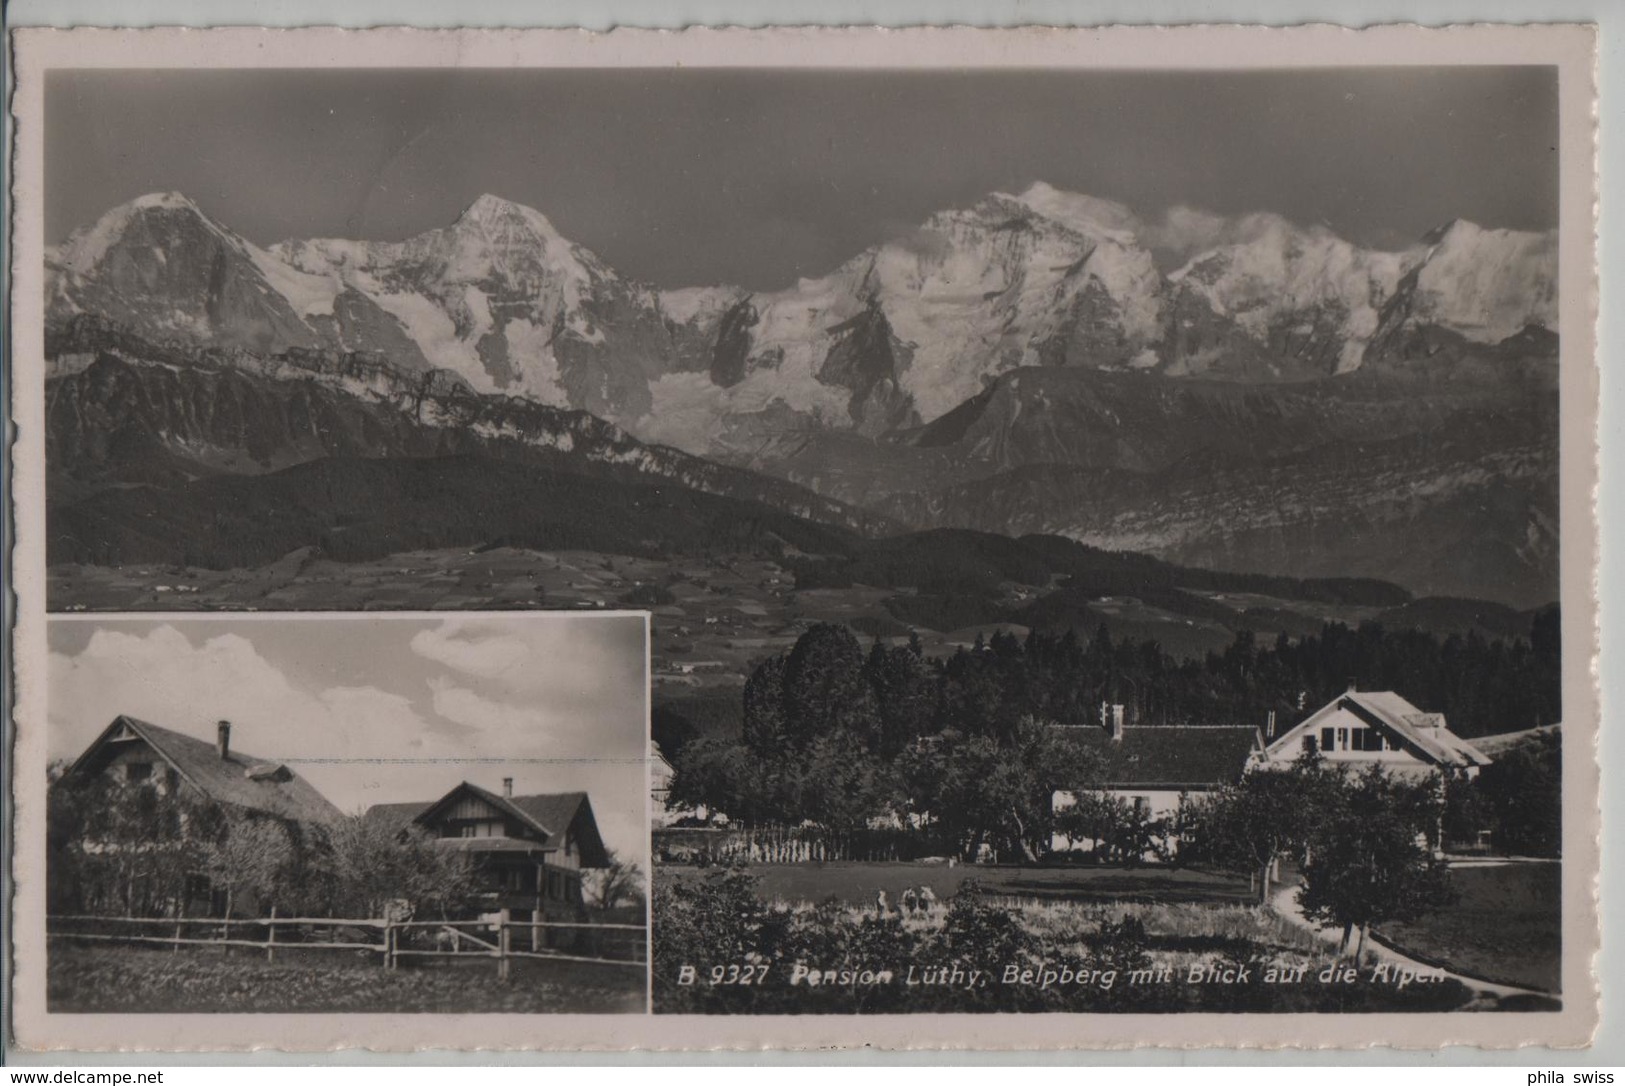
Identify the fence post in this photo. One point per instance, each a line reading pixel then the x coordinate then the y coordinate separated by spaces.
pixel 504 933
pixel 389 944
pixel 270 937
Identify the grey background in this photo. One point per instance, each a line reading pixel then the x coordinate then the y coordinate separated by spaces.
pixel 603 14
pixel 758 177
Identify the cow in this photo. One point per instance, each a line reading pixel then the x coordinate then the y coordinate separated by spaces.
pixel 927 899
pixel 909 902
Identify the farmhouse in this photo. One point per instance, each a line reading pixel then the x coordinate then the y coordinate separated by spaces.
pixel 1157 767
pixel 529 851
pixel 1361 728
pixel 131 751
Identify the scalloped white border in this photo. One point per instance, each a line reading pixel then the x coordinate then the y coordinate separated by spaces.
pixel 1571 48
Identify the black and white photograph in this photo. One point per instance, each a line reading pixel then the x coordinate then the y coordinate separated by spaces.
pixel 405 814
pixel 1114 530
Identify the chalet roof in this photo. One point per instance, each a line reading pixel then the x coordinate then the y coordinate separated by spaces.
pixel 238 779
pixel 1424 733
pixel 551 814
pixel 558 811
pixel 1175 756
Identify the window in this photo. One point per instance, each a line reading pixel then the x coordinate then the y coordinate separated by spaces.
pixel 467 830
pixel 1310 745
pixel 1328 739
pixel 1342 739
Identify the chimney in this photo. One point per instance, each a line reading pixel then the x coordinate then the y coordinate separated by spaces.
pixel 1117 723
pixel 507 787
pixel 222 739
pixel 1353 686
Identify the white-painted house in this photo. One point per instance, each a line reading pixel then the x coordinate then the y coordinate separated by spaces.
pixel 1361 727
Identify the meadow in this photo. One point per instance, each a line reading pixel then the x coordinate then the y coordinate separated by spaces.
pixel 135 980
pixel 1507 926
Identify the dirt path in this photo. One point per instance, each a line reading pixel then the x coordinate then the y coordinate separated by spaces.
pixel 1285 902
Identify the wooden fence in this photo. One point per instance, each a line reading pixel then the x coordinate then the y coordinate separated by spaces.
pixel 395 940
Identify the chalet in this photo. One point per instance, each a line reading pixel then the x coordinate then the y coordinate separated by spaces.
pixel 1361 728
pixel 131 751
pixel 529 851
pixel 1156 768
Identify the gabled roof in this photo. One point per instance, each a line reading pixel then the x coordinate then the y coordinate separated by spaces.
pixel 564 810
pixel 500 803
pixel 1171 757
pixel 234 780
pixel 552 815
pixel 1423 734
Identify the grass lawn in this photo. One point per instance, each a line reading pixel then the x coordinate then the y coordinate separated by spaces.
pixel 133 979
pixel 1507 927
pixel 857 883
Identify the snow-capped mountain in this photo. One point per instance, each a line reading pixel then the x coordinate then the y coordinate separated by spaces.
pixel 501 298
pixel 898 335
pixel 1022 364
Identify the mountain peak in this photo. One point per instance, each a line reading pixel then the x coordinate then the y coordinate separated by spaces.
pixel 489 209
pixel 1444 230
pixel 87 245
pixel 173 201
pixel 1086 214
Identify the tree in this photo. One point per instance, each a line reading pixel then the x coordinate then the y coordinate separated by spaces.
pixel 376 861
pixel 726 777
pixel 246 857
pixel 825 691
pixel 621 883
pixel 1000 793
pixel 1368 859
pixel 1523 789
pixel 1266 817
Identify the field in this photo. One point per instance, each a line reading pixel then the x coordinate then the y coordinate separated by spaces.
pixel 1507 927
pixel 726 612
pixel 857 883
pixel 137 980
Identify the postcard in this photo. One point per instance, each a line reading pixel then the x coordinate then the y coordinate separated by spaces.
pixel 1028 538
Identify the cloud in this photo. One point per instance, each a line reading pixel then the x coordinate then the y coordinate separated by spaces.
pixel 162 677
pixel 584 655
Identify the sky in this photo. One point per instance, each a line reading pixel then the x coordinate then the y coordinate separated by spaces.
pixel 753 177
pixel 382 709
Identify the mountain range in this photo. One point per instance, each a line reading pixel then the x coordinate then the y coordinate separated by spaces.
pixel 1280 400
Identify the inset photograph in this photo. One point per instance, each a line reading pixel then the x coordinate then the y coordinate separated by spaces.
pixel 366 813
